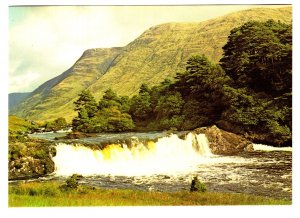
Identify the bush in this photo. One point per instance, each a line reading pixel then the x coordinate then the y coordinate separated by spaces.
pixel 32 192
pixel 197 186
pixel 39 154
pixel 56 125
pixel 16 151
pixel 50 191
pixel 71 183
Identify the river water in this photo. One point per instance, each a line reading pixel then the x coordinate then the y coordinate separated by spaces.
pixel 158 161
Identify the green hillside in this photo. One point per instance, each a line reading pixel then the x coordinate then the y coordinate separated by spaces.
pixel 54 98
pixel 163 50
pixel 158 53
pixel 18 125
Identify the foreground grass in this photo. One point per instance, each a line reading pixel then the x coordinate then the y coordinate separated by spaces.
pixel 48 194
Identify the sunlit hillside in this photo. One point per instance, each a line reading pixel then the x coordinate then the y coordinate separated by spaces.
pixel 158 53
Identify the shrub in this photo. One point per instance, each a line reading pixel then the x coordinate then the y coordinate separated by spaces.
pixel 39 154
pixel 71 183
pixel 56 125
pixel 197 186
pixel 32 192
pixel 17 150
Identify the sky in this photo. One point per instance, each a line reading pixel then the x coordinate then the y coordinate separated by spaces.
pixel 45 41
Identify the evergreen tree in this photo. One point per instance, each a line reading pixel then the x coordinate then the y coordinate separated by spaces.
pixel 109 99
pixel 258 55
pixel 141 104
pixel 168 111
pixel 87 102
pixel 86 106
pixel 112 114
pixel 258 58
pixel 169 105
pixel 201 85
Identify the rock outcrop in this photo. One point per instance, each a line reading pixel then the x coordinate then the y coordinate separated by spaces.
pixel 224 143
pixel 30 158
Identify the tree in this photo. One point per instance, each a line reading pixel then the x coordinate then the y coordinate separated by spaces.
pixel 258 58
pixel 144 89
pixel 86 106
pixel 87 101
pixel 109 99
pixel 111 115
pixel 201 77
pixel 194 114
pixel 247 111
pixel 258 55
pixel 169 105
pixel 111 119
pixel 201 86
pixel 169 111
pixel 140 108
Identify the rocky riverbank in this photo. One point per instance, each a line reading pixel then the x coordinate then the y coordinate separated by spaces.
pixel 224 143
pixel 29 158
pixel 32 157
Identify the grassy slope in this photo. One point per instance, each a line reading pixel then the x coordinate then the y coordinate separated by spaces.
pixel 163 50
pixel 16 124
pixel 48 194
pixel 157 54
pixel 49 102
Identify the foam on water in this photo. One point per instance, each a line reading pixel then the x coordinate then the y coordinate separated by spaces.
pixel 169 155
pixel 261 147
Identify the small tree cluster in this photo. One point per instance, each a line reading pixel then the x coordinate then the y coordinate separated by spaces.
pixel 109 115
pixel 56 125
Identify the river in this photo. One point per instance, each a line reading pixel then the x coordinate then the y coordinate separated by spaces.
pixel 157 161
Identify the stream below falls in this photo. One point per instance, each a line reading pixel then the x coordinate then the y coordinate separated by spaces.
pixel 169 163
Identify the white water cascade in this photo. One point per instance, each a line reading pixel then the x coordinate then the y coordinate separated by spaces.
pixel 261 147
pixel 169 155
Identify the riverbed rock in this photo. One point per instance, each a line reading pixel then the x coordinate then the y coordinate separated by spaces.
pixel 224 143
pixel 76 135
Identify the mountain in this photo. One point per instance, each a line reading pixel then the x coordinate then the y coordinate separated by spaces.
pixel 16 98
pixel 54 98
pixel 159 53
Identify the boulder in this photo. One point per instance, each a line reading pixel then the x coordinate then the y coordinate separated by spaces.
pixel 224 143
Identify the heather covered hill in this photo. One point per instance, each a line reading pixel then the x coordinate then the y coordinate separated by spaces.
pixel 159 53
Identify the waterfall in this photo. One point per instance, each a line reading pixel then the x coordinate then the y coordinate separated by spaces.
pixel 167 155
pixel 203 145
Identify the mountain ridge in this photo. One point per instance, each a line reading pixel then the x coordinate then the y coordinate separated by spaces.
pixel 158 53
pixel 16 98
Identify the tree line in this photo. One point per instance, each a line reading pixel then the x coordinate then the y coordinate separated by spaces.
pixel 249 92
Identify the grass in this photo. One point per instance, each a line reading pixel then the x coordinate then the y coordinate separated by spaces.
pixel 48 194
pixel 16 124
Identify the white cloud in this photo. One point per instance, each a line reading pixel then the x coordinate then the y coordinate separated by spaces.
pixel 24 81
